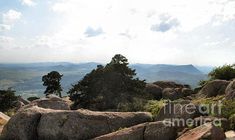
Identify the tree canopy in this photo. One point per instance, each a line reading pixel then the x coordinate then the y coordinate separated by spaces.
pixel 7 99
pixel 107 86
pixel 225 72
pixel 52 82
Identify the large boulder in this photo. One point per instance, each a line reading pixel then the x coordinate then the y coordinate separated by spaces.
pixel 178 112
pixel 221 122
pixel 3 118
pixel 230 135
pixel 230 90
pixel 47 124
pixel 147 131
pixel 214 88
pixel 132 133
pixel 50 102
pixel 3 121
pixel 206 131
pixel 154 90
pixel 23 125
pixel 171 93
pixel 160 130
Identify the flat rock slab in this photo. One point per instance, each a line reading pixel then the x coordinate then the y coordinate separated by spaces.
pixel 47 124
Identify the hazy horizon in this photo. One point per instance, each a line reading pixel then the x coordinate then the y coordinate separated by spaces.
pixel 179 32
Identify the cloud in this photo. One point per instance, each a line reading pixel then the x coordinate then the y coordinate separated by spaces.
pixel 92 32
pixel 4 27
pixel 11 17
pixel 166 23
pixel 28 2
pixel 6 41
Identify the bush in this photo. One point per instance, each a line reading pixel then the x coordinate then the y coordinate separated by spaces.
pixel 137 105
pixel 226 72
pixel 154 106
pixel 7 99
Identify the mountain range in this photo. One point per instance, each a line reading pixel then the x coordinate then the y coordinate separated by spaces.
pixel 26 78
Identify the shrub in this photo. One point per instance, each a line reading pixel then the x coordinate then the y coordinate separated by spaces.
pixel 225 72
pixel 154 106
pixel 7 99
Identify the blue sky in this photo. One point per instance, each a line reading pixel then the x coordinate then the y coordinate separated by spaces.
pixel 200 32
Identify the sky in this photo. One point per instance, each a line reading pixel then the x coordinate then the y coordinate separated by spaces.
pixel 199 32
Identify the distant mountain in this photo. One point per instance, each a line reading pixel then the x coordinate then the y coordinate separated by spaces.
pixel 185 74
pixel 26 78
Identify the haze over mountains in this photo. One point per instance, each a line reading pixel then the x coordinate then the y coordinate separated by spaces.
pixel 26 78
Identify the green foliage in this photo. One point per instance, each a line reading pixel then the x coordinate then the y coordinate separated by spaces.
pixel 7 99
pixel 52 82
pixel 107 86
pixel 226 72
pixel 136 105
pixel 154 106
pixel 32 98
pixel 228 108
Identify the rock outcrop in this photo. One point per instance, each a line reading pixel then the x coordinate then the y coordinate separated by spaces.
pixel 220 122
pixel 47 124
pixel 180 110
pixel 214 88
pixel 51 102
pixel 230 91
pixel 206 131
pixel 3 120
pixel 230 135
pixel 154 90
pixel 147 131
pixel 171 93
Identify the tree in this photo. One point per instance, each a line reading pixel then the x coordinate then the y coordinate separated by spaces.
pixel 7 99
pixel 226 72
pixel 52 82
pixel 107 86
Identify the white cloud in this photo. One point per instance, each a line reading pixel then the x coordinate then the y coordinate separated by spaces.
pixel 28 2
pixel 11 17
pixel 193 30
pixel 4 27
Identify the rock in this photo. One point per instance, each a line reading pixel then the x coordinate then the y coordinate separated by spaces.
pixel 51 102
pixel 160 131
pixel 132 133
pixel 178 112
pixel 20 99
pixel 171 93
pixel 147 131
pixel 3 118
pixel 230 91
pixel 186 92
pixel 154 90
pixel 221 122
pixel 206 131
pixel 214 88
pixel 23 125
pixel 168 84
pixel 47 124
pixel 230 135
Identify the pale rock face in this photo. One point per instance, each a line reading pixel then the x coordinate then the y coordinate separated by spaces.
pixel 230 90
pixel 47 124
pixel 51 102
pixel 214 88
pixel 206 131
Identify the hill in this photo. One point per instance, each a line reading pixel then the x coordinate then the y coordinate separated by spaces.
pixel 26 78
